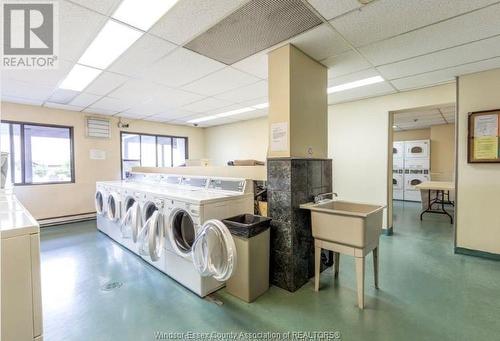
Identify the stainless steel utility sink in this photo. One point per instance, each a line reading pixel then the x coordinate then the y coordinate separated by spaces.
pixel 344 222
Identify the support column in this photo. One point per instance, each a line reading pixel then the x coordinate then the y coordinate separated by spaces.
pixel 298 168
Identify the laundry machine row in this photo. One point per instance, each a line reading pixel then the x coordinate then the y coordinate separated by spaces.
pixel 173 223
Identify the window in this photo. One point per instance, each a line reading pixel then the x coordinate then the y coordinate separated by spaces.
pixel 152 151
pixel 39 154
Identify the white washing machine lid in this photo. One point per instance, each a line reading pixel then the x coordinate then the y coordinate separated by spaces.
pixel 214 251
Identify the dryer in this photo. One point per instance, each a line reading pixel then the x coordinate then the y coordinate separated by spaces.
pixel 417 149
pixel 410 181
pixel 397 186
pixel 101 203
pixel 398 150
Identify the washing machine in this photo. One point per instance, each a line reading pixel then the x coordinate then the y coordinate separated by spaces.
pixel 417 149
pixel 397 186
pixel 410 181
pixel 101 202
pixel 194 231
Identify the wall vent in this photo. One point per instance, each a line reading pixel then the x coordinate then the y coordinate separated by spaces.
pixel 98 128
pixel 254 27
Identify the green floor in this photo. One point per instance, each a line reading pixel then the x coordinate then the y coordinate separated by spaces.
pixel 426 292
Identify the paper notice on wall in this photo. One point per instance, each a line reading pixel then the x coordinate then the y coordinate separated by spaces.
pixel 486 125
pixel 96 154
pixel 486 148
pixel 279 137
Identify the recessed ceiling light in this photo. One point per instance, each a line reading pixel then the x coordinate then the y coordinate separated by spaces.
pixel 355 84
pixel 110 43
pixel 142 14
pixel 79 77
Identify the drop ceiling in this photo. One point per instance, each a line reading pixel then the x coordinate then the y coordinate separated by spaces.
pixel 424 118
pixel 411 44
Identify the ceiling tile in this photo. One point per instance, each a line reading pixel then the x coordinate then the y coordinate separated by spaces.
pixel 188 18
pixel 137 90
pixel 62 96
pixel 164 101
pixel 345 63
pixel 63 106
pixel 102 6
pixel 111 104
pixel 331 9
pixel 384 19
pixel 106 83
pixel 443 59
pixel 253 102
pixel 100 111
pixel 19 89
pixel 373 90
pixel 220 81
pixel 474 26
pixel 320 42
pixel 246 93
pixel 21 100
pixel 444 76
pixel 255 65
pixel 84 100
pixel 356 76
pixel 78 26
pixel 181 67
pixel 249 115
pixel 147 50
pixel 207 104
pixel 50 77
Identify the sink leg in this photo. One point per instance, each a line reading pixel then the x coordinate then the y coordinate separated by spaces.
pixel 317 267
pixel 360 281
pixel 375 265
pixel 337 264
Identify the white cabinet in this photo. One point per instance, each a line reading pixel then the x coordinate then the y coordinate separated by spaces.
pixel 21 301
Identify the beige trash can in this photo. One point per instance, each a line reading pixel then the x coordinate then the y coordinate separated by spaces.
pixel 251 237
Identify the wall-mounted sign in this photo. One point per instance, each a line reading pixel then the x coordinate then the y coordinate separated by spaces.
pixel 483 139
pixel 96 154
pixel 279 137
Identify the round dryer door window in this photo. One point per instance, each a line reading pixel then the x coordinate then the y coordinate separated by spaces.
pixel 214 251
pixel 99 202
pixel 113 207
pixel 181 231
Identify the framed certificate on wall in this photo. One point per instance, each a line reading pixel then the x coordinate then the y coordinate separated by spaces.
pixel 483 137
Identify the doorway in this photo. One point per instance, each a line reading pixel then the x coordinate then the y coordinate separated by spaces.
pixel 421 170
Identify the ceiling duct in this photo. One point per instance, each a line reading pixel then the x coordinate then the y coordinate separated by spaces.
pixel 254 27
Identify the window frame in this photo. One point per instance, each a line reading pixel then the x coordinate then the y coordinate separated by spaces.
pixel 156 136
pixel 23 153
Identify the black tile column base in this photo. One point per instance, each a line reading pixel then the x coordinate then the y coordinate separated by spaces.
pixel 292 182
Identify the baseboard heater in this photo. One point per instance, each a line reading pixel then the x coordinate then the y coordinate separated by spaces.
pixel 66 219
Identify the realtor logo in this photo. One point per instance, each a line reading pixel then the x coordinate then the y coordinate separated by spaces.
pixel 29 35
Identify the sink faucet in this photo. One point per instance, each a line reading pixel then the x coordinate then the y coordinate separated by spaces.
pixel 322 197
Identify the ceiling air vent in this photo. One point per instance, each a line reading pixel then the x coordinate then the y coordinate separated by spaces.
pixel 98 128
pixel 254 27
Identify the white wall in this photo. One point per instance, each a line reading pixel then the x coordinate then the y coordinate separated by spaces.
pixel 48 201
pixel 359 141
pixel 478 195
pixel 240 140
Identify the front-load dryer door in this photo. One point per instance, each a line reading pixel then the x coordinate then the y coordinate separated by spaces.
pixel 100 203
pixel 156 236
pixel 181 231
pixel 150 213
pixel 114 208
pixel 214 251
pixel 131 221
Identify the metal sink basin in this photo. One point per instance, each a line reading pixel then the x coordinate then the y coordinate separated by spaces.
pixel 344 222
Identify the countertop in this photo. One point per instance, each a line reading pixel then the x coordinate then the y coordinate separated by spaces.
pixel 15 219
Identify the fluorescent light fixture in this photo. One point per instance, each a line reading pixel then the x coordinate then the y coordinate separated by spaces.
pixel 79 77
pixel 355 84
pixel 142 14
pixel 261 106
pixel 114 39
pixel 223 114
